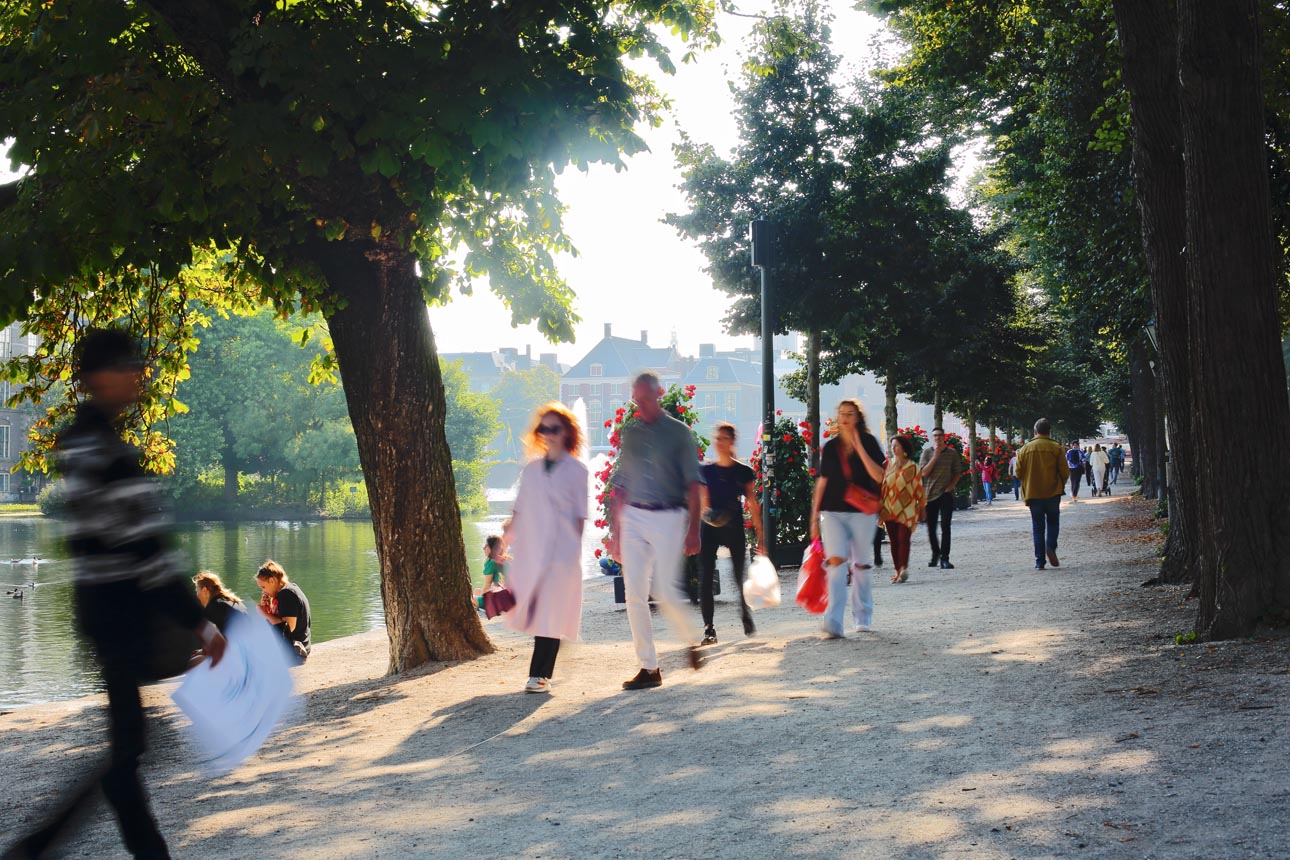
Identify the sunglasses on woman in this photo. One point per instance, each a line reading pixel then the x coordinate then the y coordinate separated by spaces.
pixel 549 429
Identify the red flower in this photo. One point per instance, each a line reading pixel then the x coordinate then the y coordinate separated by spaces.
pixel 779 411
pixel 826 434
pixel 811 472
pixel 598 553
pixel 636 415
pixel 788 438
pixel 681 409
pixel 609 422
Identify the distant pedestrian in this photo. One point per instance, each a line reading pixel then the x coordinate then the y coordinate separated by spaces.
pixel 1085 455
pixel 1099 463
pixel 125 580
pixel 728 485
pixel 655 515
pixel 844 513
pixel 284 605
pixel 904 502
pixel 1116 456
pixel 1075 464
pixel 989 474
pixel 1016 482
pixel 546 525
pixel 1043 471
pixel 941 468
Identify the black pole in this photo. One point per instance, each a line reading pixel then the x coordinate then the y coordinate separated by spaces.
pixel 760 232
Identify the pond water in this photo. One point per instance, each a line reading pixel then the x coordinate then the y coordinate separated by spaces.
pixel 43 659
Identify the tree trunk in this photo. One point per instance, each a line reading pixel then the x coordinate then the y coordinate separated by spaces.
pixel 395 394
pixel 1148 42
pixel 971 454
pixel 938 411
pixel 1244 547
pixel 1144 419
pixel 994 435
pixel 890 415
pixel 813 396
pixel 1162 441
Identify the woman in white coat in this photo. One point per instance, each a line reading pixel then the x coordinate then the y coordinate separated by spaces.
pixel 545 573
pixel 1100 462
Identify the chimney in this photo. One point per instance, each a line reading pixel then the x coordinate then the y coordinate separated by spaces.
pixel 707 350
pixel 644 337
pixel 609 330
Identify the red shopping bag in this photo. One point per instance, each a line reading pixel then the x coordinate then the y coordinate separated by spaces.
pixel 812 580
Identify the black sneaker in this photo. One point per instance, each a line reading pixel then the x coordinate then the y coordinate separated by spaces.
pixel 1039 565
pixel 934 562
pixel 709 636
pixel 644 680
pixel 945 564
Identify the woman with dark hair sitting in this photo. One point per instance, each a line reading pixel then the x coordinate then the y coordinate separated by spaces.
pixel 285 606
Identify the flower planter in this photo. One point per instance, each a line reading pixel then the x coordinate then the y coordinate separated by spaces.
pixel 788 554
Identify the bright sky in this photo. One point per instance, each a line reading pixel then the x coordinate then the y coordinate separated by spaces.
pixel 632 270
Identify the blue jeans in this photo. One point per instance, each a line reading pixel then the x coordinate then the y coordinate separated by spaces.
pixel 1045 523
pixel 1016 488
pixel 848 536
pixel 989 490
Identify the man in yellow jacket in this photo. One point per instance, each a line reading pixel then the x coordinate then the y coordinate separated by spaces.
pixel 1041 466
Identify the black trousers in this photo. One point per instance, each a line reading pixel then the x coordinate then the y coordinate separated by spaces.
pixel 940 509
pixel 712 538
pixel 110 617
pixel 545 650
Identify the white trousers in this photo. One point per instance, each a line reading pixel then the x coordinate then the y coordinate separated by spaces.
pixel 653 547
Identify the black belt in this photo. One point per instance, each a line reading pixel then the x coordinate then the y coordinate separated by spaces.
pixel 659 507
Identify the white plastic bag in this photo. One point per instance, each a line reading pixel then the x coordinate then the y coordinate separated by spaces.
pixel 761 588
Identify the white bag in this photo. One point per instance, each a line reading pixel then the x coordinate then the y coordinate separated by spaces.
pixel 761 587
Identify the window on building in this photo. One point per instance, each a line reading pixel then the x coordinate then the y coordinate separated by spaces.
pixel 732 403
pixel 713 372
pixel 4 442
pixel 597 370
pixel 4 481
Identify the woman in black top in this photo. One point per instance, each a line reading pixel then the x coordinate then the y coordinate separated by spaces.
pixel 727 484
pixel 218 603
pixel 844 513
pixel 285 606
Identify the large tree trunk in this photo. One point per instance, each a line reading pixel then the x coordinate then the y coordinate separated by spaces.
pixel 1147 35
pixel 971 454
pixel 938 410
pixel 1143 407
pixel 890 415
pixel 1243 545
pixel 395 394
pixel 813 396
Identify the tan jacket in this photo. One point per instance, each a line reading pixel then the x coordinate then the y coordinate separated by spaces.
pixel 1041 466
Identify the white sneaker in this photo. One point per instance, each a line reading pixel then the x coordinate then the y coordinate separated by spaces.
pixel 829 633
pixel 538 685
pixel 864 628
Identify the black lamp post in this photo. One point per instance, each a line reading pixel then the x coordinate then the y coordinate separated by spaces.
pixel 760 234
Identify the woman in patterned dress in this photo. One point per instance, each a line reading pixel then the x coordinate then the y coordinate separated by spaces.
pixel 903 503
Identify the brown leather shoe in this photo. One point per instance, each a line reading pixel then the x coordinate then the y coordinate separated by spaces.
pixel 1052 558
pixel 644 680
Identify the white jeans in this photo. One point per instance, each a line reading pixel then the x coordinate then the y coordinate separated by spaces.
pixel 653 547
pixel 848 536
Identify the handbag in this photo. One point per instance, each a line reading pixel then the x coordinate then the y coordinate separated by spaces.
pixel 812 581
pixel 856 496
pixel 498 601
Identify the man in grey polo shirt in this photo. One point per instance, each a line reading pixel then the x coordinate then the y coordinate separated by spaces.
pixel 654 523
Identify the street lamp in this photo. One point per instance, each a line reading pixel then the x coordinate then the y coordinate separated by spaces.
pixel 760 235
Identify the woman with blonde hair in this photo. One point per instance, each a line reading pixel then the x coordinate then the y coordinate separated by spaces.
pixel 545 532
pixel 216 599
pixel 285 606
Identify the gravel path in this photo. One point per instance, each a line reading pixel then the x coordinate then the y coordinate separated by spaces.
pixel 996 712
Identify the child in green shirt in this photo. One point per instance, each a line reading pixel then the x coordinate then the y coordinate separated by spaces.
pixel 494 566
